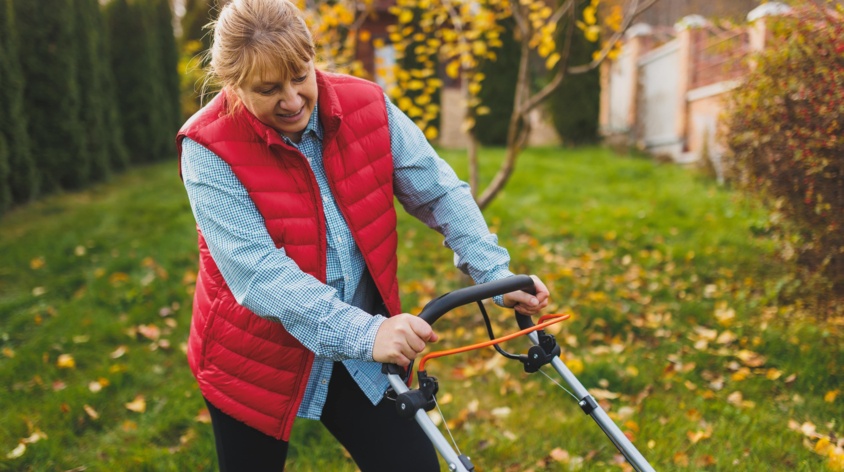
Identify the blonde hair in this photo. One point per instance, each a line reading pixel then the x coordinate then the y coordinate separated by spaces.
pixel 258 38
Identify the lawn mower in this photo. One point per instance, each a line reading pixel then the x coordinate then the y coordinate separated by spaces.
pixel 414 403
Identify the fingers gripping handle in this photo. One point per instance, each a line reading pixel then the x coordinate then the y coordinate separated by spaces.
pixel 525 321
pixel 438 307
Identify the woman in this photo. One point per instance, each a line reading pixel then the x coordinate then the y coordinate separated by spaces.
pixel 291 175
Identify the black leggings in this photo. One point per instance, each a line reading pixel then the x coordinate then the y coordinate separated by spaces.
pixel 375 436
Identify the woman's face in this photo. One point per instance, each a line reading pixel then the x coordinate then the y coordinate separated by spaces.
pixel 285 106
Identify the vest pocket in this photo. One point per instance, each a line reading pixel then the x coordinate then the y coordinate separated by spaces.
pixel 206 331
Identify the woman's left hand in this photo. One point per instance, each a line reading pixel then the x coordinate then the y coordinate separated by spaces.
pixel 525 303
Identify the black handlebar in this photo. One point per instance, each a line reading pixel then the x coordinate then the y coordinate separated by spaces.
pixel 437 307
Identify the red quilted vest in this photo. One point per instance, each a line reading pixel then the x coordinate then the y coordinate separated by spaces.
pixel 249 367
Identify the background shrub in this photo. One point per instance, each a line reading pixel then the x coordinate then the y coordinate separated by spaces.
pixel 787 143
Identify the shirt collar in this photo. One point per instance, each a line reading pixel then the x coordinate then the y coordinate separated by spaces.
pixel 314 125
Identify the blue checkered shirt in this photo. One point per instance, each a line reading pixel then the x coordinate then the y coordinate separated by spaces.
pixel 333 319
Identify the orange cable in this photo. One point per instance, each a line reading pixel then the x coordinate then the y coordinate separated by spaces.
pixel 555 318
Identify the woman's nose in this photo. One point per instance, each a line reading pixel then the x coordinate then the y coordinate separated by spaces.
pixel 289 97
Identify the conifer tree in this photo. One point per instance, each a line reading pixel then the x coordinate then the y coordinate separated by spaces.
pixel 22 181
pixel 169 60
pixel 93 102
pixel 48 56
pixel 5 191
pixel 131 67
pixel 117 152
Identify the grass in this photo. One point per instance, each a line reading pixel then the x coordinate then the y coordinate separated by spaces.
pixel 673 291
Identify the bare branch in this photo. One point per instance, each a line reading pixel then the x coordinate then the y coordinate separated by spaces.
pixel 558 15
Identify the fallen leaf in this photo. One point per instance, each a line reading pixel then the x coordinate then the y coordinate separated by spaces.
pixel 726 337
pixel 445 399
pixel 138 405
pixel 501 412
pixel 705 461
pixel 150 332
pixel 773 374
pixel 750 358
pixel 697 436
pixel 8 352
pixel 829 397
pixel 560 455
pixel 119 352
pixel 36 263
pixel 36 436
pixel 65 361
pixel 601 394
pixel 203 416
pixel 681 459
pixel 16 452
pixel 91 412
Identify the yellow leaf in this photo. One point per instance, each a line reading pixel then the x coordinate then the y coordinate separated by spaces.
pixel 16 452
pixel 8 352
pixel 405 103
pixel 589 15
pixel 119 352
pixel 91 412
pixel 378 43
pixel 592 33
pixel 773 374
pixel 65 361
pixel 36 263
pixel 823 446
pixel 453 69
pixel 552 61
pixel 406 16
pixel 431 133
pixel 750 358
pixel 575 366
pixel 138 405
pixel 740 374
pixel 364 35
pixel 830 396
pixel 203 416
pixel 836 459
pixel 480 111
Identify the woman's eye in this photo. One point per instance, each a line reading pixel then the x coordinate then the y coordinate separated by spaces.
pixel 267 91
pixel 299 80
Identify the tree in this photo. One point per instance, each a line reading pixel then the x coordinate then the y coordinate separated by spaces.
pixel 94 107
pixel 117 152
pixel 19 183
pixel 165 42
pixel 574 105
pixel 146 109
pixel 48 55
pixel 465 34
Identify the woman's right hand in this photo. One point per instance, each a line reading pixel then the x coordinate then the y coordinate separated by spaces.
pixel 401 338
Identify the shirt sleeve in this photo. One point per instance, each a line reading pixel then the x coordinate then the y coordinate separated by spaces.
pixel 262 277
pixel 428 189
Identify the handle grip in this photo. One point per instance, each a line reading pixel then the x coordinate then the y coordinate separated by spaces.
pixel 437 307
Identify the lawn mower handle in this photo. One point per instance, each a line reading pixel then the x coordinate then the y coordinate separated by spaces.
pixel 437 307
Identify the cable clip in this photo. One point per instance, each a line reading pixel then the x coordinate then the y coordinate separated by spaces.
pixel 408 403
pixel 541 354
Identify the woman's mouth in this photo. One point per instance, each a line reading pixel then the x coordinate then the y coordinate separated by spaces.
pixel 291 117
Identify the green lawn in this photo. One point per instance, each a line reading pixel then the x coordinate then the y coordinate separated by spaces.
pixel 672 285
